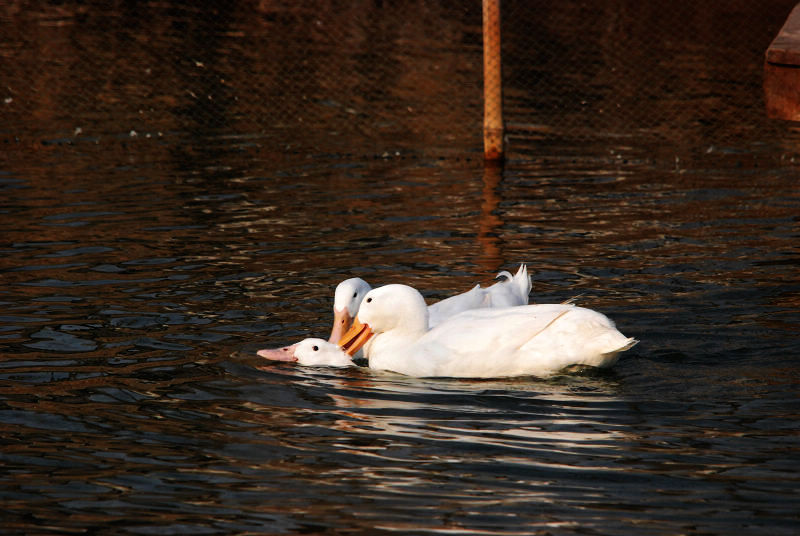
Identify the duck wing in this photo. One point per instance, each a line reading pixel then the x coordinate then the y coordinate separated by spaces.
pixel 535 340
pixel 449 307
pixel 484 343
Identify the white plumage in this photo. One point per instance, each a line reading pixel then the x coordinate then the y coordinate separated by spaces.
pixel 536 340
pixel 310 352
pixel 510 292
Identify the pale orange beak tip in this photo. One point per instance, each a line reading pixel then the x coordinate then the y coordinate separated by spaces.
pixel 279 354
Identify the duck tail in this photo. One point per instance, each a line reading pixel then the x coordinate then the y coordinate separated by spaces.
pixel 629 343
pixel 523 282
pixel 610 357
pixel 519 285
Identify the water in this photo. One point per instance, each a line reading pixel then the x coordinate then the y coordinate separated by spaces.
pixel 143 261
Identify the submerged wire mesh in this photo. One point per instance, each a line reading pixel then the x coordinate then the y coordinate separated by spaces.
pixel 308 76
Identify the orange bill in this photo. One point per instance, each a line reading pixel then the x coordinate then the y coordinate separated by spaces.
pixel 356 337
pixel 341 323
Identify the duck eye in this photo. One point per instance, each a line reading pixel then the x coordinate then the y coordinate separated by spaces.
pixel 355 294
pixel 315 348
pixel 369 300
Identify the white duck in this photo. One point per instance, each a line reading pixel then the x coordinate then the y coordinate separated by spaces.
pixel 512 290
pixel 346 300
pixel 310 352
pixel 535 340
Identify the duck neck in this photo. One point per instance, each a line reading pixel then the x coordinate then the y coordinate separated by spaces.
pixel 396 340
pixel 414 326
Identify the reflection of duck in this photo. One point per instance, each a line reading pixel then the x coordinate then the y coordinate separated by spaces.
pixel 310 352
pixel 512 290
pixel 537 340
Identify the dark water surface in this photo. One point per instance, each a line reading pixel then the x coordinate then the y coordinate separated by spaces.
pixel 144 258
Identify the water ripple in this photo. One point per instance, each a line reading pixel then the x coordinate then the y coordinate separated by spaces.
pixel 141 272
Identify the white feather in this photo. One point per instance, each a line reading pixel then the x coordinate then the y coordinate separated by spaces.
pixel 536 340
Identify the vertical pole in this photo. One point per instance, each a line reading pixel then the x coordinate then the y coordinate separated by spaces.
pixel 492 83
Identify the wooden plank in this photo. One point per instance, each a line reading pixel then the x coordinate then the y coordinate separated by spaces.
pixel 782 71
pixel 785 48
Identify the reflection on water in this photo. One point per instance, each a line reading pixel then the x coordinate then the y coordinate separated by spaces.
pixel 147 251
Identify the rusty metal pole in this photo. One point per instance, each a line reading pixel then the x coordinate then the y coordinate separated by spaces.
pixel 492 83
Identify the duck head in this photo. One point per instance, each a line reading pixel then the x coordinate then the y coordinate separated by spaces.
pixel 346 301
pixel 310 352
pixel 391 308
